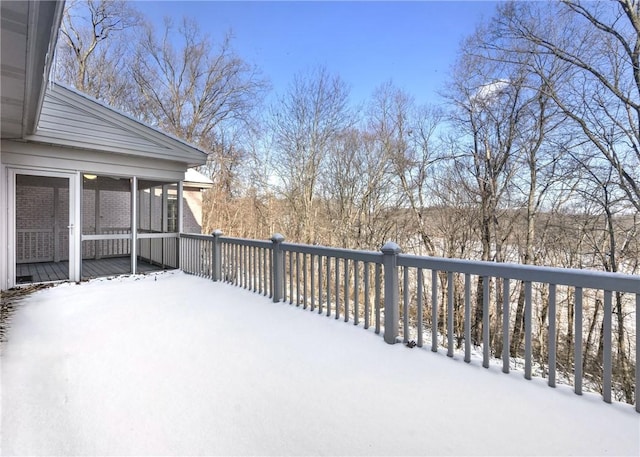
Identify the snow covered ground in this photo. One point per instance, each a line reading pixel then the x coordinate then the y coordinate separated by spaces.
pixel 178 365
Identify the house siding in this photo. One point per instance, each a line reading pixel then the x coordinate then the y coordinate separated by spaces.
pixel 72 119
pixel 45 156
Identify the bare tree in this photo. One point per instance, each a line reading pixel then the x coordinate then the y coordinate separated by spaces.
pixel 93 48
pixel 188 87
pixel 600 44
pixel 406 136
pixel 357 188
pixel 305 124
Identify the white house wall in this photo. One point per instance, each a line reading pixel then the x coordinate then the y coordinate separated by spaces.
pixel 21 154
pixel 4 218
pixel 192 210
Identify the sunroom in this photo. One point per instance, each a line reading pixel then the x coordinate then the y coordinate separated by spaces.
pixel 92 192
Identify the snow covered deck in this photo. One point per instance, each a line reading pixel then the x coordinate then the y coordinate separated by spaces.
pixel 172 364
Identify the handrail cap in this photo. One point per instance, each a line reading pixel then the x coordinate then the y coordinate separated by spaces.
pixel 391 248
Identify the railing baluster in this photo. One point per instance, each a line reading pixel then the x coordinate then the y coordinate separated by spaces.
pixel 505 326
pixel 245 269
pixel 259 284
pixel 577 344
pixel 328 291
pixel 240 265
pixel 304 281
pixel 346 290
pixel 223 264
pixel 260 258
pixel 312 285
pixel 527 329
pixel 254 270
pixel 420 310
pixel 266 271
pixel 467 317
pixel 287 288
pixel 356 292
pixel 405 306
pixel 434 310
pixel 486 342
pixel 378 274
pixel 236 266
pixel 262 271
pixel 450 291
pixel 551 335
pixel 367 300
pixel 637 390
pixel 320 284
pixel 249 268
pixel 221 250
pixel 231 263
pixel 233 275
pixel 606 354
pixel 337 289
pixel 297 279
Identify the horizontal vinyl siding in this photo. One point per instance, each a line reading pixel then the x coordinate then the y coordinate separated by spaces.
pixel 62 121
pixel 57 116
pixel 72 120
pixel 33 155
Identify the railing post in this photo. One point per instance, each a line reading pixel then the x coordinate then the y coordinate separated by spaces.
pixel 390 252
pixel 277 264
pixel 217 256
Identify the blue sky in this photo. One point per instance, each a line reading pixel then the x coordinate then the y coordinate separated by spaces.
pixel 365 43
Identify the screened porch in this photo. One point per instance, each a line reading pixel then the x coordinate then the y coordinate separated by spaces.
pixel 110 215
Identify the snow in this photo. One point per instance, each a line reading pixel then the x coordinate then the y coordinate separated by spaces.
pixel 174 364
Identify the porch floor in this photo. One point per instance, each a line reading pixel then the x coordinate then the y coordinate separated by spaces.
pixel 27 273
pixel 171 364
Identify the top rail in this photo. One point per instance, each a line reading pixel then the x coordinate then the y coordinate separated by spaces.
pixel 587 279
pixel 350 254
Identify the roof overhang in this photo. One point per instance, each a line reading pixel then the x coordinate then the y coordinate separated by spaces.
pixel 28 35
pixel 195 179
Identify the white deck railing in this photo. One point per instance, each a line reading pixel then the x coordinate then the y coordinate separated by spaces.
pixel 365 287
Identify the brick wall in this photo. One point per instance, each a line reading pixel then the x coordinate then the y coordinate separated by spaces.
pixel 42 215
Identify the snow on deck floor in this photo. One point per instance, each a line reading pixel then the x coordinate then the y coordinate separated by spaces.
pixel 178 365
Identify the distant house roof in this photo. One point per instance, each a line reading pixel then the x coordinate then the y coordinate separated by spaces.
pixel 72 119
pixel 193 178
